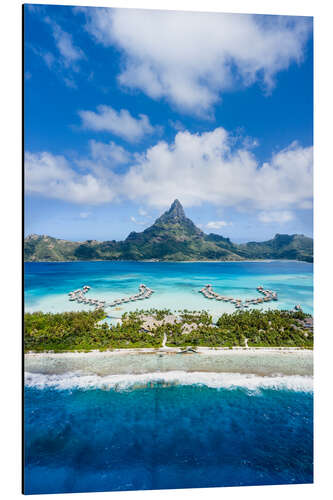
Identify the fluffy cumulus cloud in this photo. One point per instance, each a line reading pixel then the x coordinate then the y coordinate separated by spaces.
pixel 191 58
pixel 206 168
pixel 120 123
pixel 53 177
pixel 102 161
pixel 195 168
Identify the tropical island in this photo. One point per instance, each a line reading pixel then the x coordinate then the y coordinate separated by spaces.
pixel 160 329
pixel 172 237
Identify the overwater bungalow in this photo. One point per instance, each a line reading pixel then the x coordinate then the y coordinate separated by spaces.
pixel 80 296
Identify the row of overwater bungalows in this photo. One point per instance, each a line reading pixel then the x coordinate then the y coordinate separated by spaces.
pixel 269 295
pixel 79 296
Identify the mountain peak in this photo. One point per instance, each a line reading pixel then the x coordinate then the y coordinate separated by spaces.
pixel 174 215
pixel 176 210
pixel 171 224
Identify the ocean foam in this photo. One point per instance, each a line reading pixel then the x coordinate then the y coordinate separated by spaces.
pixel 123 382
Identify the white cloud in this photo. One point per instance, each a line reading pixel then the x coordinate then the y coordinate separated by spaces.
pixel 69 53
pixel 276 217
pixel 217 224
pixel 102 162
pixel 65 61
pixel 177 125
pixel 120 123
pixel 109 153
pixel 84 215
pixel 47 57
pixel 69 82
pixel 205 168
pixel 53 177
pixel 191 58
pixel 195 168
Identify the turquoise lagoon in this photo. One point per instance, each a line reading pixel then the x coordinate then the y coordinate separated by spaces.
pixel 176 284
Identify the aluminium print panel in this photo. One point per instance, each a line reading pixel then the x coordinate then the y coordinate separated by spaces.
pixel 168 313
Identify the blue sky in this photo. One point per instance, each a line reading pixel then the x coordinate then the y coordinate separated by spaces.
pixel 126 110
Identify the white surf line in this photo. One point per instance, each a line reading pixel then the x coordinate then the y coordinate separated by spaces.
pixel 269 295
pixel 218 380
pixel 79 296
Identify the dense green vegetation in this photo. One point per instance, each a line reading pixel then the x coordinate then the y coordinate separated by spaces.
pixel 83 331
pixel 269 328
pixel 172 237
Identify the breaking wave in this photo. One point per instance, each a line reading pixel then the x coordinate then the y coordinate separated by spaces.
pixel 124 382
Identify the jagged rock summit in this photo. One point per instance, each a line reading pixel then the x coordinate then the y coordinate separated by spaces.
pixel 172 237
pixel 175 212
pixel 172 225
pixel 175 220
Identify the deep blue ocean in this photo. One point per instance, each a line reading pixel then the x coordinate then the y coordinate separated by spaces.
pixel 166 437
pixel 163 435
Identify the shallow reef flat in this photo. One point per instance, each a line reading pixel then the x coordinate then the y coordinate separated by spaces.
pixel 264 362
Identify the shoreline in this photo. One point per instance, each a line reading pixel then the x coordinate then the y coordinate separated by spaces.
pixel 170 350
pixel 162 364
pixel 167 261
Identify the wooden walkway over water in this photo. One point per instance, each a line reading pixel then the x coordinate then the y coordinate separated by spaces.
pixel 79 296
pixel 268 295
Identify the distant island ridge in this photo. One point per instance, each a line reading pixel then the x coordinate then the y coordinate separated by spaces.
pixel 172 237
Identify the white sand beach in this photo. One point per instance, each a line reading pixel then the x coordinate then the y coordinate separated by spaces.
pixel 260 361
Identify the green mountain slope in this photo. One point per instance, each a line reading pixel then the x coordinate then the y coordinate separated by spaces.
pixel 172 237
pixel 282 246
